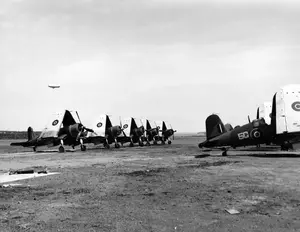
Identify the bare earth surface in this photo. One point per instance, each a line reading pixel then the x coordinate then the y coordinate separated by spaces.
pixel 159 188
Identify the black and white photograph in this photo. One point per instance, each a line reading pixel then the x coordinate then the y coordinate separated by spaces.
pixel 149 115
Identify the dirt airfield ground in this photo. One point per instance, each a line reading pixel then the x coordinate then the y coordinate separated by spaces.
pixel 159 188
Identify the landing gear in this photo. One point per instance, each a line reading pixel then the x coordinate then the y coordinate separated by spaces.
pixel 117 145
pixel 148 143
pixel 131 144
pixel 83 148
pixel 154 142
pixel 163 142
pixel 34 149
pixel 169 142
pixel 286 146
pixel 224 153
pixel 61 149
pixel 106 145
pixel 141 144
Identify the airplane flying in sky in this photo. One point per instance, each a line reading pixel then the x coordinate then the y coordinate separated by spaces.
pixel 104 132
pixel 61 130
pixel 165 132
pixel 133 130
pixel 54 86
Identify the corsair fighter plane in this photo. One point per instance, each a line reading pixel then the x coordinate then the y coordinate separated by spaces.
pixel 218 136
pixel 133 131
pixel 151 132
pixel 165 133
pixel 61 130
pixel 104 132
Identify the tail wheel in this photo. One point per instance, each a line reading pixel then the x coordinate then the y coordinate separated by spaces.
pixel 141 144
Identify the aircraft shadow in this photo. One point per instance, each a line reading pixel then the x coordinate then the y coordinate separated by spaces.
pixel 274 155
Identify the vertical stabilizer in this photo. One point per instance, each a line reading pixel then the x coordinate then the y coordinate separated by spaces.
pixel 30 134
pixel 214 126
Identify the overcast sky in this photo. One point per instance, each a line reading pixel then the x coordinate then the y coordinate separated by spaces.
pixel 173 60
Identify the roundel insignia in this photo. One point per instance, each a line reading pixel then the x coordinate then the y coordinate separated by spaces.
pixel 256 134
pixel 125 126
pixel 99 124
pixel 55 122
pixel 296 106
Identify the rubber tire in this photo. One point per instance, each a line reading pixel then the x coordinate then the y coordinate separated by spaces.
pixel 61 149
pixel 154 142
pixel 169 142
pixel 131 145
pixel 117 145
pixel 83 148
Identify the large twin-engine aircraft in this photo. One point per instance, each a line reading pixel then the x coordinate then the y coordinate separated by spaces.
pixel 218 136
pixel 165 132
pixel 104 132
pixel 133 131
pixel 151 132
pixel 61 130
pixel 264 111
pixel 285 116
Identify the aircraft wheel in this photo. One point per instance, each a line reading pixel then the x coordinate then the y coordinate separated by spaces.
pixel 34 149
pixel 61 149
pixel 117 145
pixel 163 142
pixel 131 144
pixel 148 143
pixel 141 144
pixel 107 146
pixel 154 142
pixel 169 142
pixel 83 148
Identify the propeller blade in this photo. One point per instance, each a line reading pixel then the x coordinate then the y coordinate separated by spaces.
pixel 78 117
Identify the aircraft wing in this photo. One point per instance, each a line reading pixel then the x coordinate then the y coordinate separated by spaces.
pixel 53 126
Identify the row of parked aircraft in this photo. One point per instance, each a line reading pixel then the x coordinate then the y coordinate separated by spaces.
pixel 64 129
pixel 277 122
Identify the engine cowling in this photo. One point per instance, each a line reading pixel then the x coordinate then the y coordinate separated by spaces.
pixel 75 129
pixel 114 131
pixel 138 132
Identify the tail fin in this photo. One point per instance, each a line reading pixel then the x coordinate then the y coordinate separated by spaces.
pixel 214 126
pixel 30 134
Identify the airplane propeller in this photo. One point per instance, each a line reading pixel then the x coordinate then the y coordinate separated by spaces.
pixel 83 128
